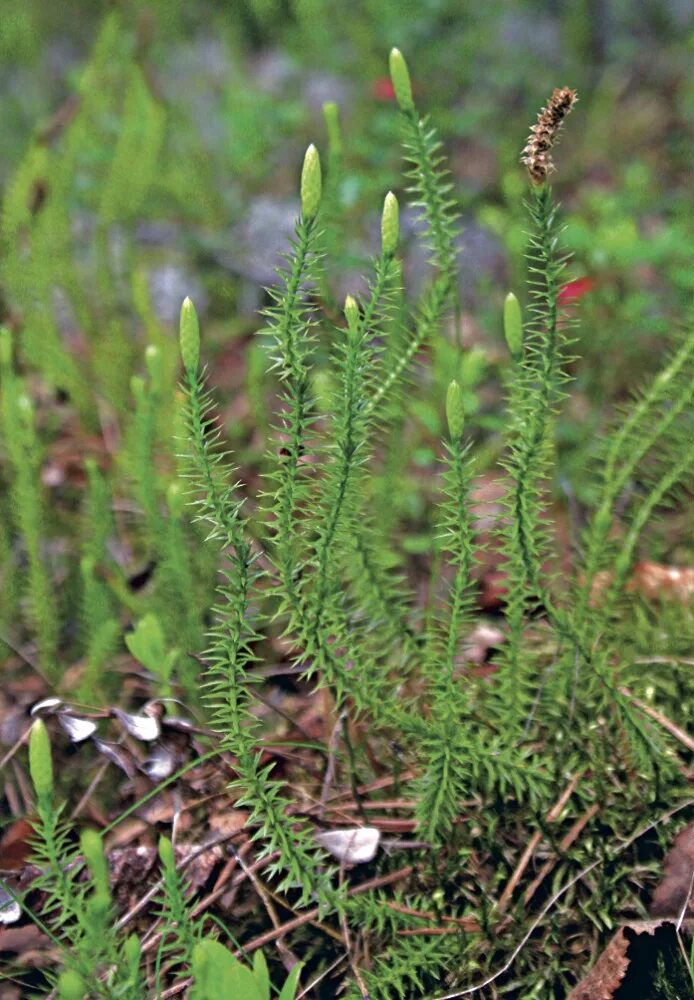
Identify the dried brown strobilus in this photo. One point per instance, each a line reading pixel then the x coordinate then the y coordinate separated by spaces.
pixel 537 153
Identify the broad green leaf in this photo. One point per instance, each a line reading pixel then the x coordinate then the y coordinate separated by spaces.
pixel 217 973
pixel 291 983
pixel 262 976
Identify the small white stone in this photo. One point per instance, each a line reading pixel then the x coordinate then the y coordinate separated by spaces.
pixel 354 845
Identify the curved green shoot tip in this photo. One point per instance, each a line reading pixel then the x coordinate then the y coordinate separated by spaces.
pixel 70 985
pixel 133 950
pixel 175 498
pixel 400 78
pixel 166 853
pixel 351 313
pixel 25 408
pixel 331 114
pixel 513 325
pixel 138 389
pixel 25 416
pixel 311 184
pixel 390 225
pixel 87 567
pixel 93 850
pixel 455 411
pixel 154 362
pixel 5 347
pixel 40 761
pixel 189 337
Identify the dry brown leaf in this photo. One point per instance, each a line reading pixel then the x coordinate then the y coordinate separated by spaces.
pixel 15 846
pixel 675 887
pixel 199 869
pixel 229 822
pixel 606 976
pixel 9 992
pixel 18 940
pixel 126 833
pixel 652 581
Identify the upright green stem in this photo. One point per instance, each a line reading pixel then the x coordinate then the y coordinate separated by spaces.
pixel 351 439
pixel 535 391
pixel 289 329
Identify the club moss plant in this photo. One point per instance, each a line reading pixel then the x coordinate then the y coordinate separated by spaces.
pixel 482 758
pixel 546 710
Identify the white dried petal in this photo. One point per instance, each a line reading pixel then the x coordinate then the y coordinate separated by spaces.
pixel 10 910
pixel 116 755
pixel 76 728
pixel 179 723
pixel 160 765
pixel 354 845
pixel 47 706
pixel 142 727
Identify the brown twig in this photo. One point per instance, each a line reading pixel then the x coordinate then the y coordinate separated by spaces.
pixel 684 738
pixel 288 958
pixel 564 844
pixel 287 717
pixel 388 825
pixel 552 816
pixel 348 948
pixel 60 119
pixel 551 903
pixel 463 923
pixel 290 925
pixel 220 886
pixel 330 769
pixel 429 931
pixel 101 771
pixel 326 972
pixel 523 863
pixel 371 804
pixel 409 911
pixel 29 660
pixel 149 895
pixel 387 781
pixel 356 792
pixel 310 915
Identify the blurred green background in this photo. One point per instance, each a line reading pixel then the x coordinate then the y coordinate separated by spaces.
pixel 151 150
pixel 240 85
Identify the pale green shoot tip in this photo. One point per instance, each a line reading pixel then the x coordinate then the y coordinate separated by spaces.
pixel 70 985
pixel 26 409
pixel 311 184
pixel 189 337
pixel 455 411
pixel 351 313
pixel 400 78
pixel 93 850
pixel 166 853
pixel 390 225
pixel 175 498
pixel 513 325
pixel 137 388
pixel 40 760
pixel 153 360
